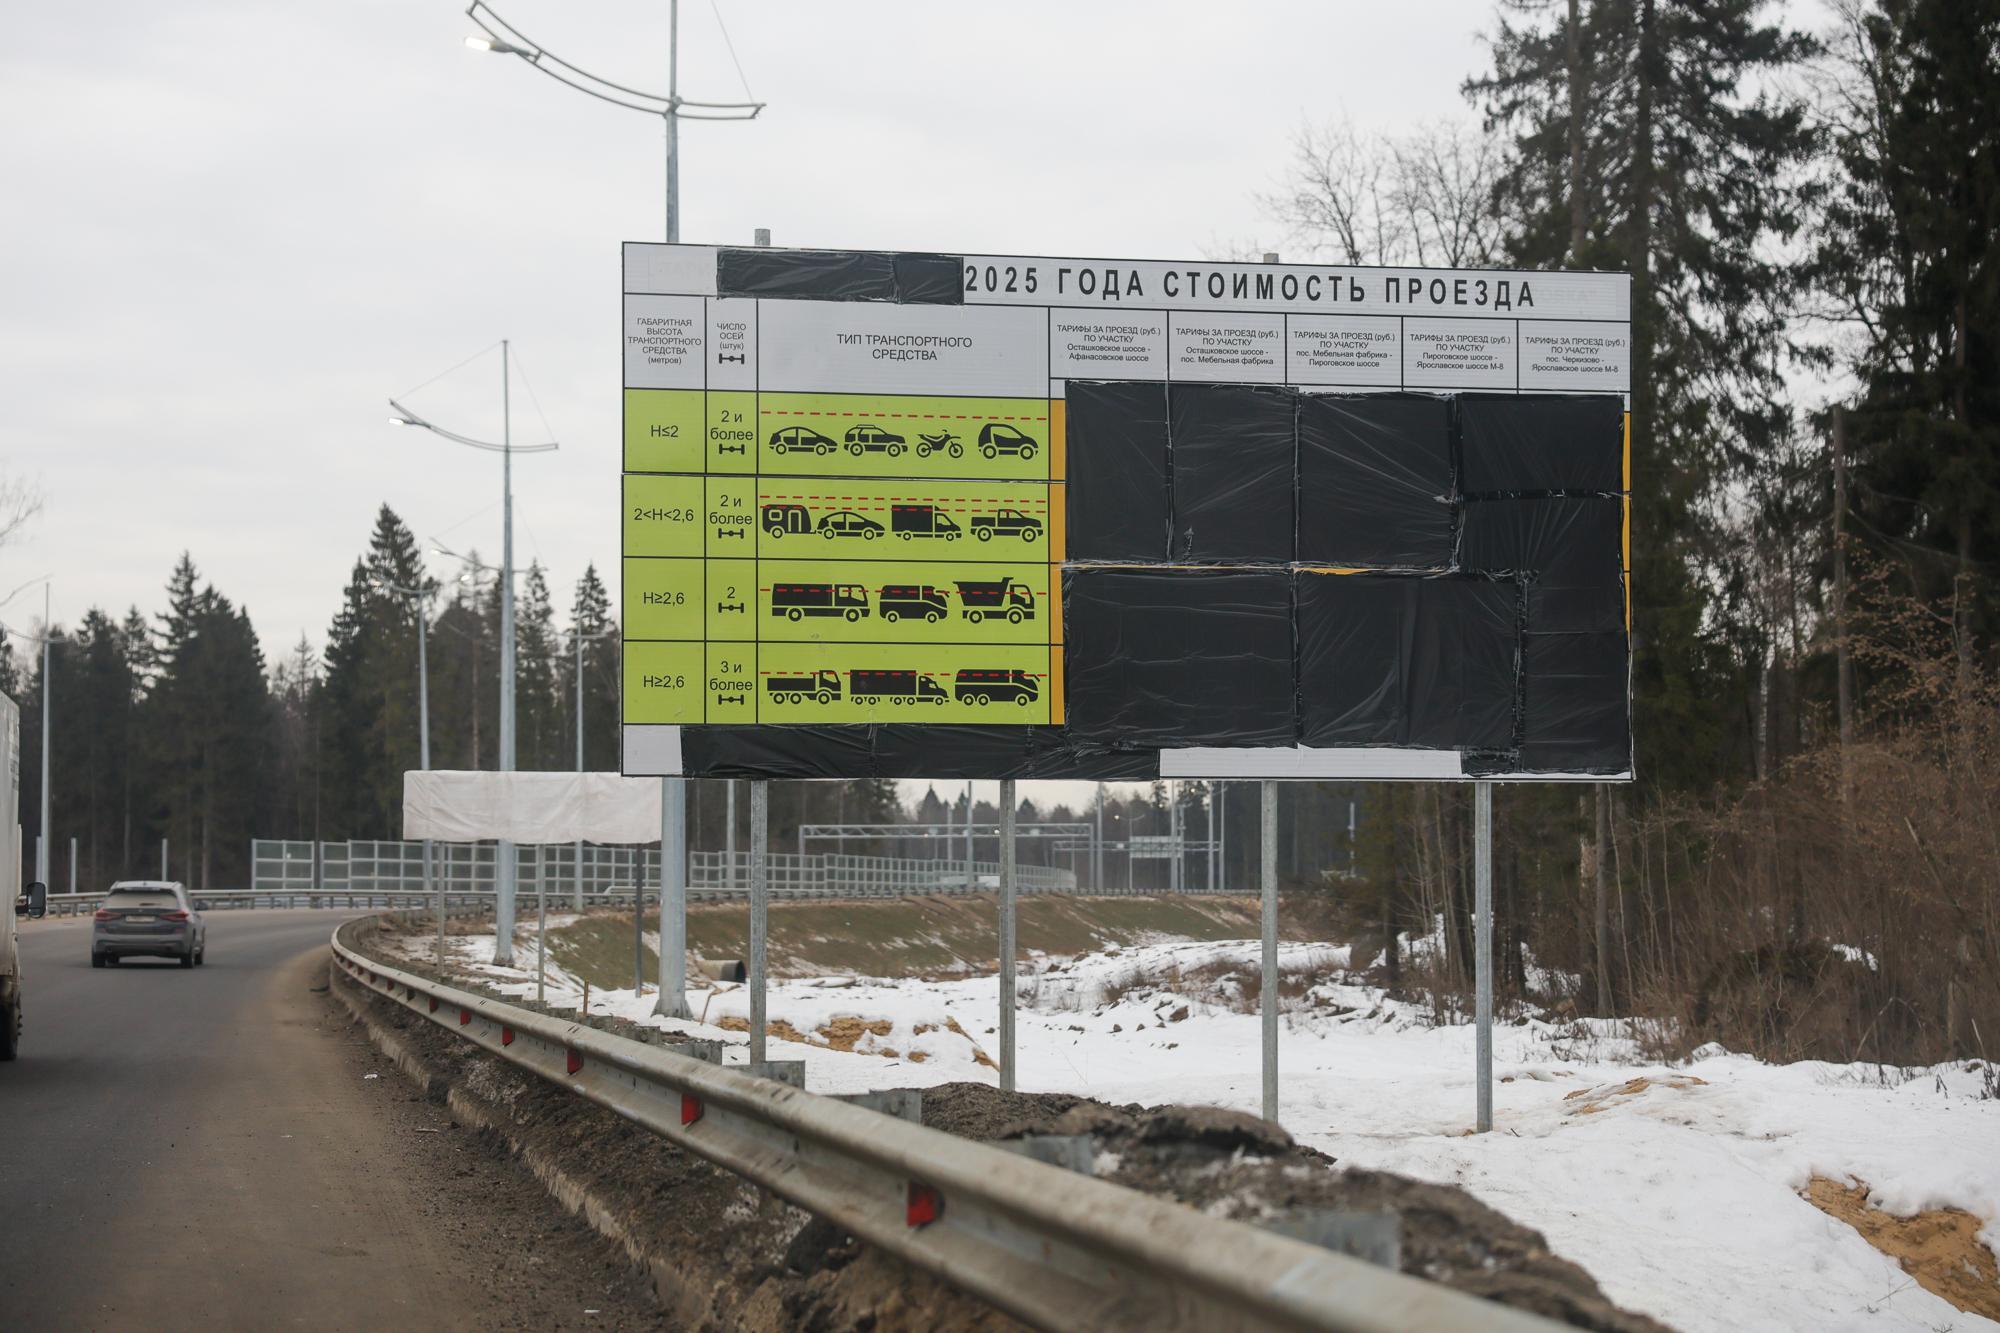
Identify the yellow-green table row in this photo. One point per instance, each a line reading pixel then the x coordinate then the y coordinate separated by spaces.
pixel 827 683
pixel 841 434
pixel 1007 521
pixel 841 601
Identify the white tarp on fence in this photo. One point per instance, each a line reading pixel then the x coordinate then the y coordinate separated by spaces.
pixel 462 806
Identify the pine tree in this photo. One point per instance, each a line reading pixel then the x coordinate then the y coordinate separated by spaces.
pixel 348 715
pixel 541 714
pixel 1911 255
pixel 591 623
pixel 1652 136
pixel 95 715
pixel 402 592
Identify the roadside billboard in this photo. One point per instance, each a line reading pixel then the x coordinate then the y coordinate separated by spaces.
pixel 991 516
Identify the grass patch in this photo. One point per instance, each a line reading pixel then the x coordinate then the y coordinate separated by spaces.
pixel 896 937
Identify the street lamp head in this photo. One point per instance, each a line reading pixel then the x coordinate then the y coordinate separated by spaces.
pixel 482 42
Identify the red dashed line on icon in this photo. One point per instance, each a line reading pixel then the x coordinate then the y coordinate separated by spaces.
pixel 897 416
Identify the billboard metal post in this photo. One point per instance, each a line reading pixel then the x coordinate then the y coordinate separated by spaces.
pixel 1006 934
pixel 639 916
pixel 1269 814
pixel 1097 846
pixel 760 895
pixel 971 876
pixel 672 1000
pixel 541 926
pixel 1222 835
pixel 1482 930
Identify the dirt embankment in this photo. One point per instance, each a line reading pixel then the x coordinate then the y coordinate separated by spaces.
pixel 1939 1247
pixel 1229 1164
pixel 720 1253
pixel 726 1254
pixel 944 935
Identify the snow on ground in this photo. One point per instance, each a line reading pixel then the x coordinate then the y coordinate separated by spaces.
pixel 1677 1188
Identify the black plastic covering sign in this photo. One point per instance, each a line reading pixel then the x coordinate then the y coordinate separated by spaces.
pixel 1218 524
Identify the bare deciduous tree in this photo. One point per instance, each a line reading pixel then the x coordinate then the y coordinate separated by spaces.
pixel 1444 192
pixel 1425 198
pixel 20 501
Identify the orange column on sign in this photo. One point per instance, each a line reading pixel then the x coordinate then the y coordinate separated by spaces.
pixel 1627 558
pixel 1058 549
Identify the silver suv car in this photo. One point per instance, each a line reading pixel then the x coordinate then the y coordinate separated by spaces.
pixel 151 917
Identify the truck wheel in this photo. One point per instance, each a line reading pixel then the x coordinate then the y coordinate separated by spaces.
pixel 975 616
pixel 852 615
pixel 795 615
pixel 931 617
pixel 1024 699
pixel 1029 534
pixel 982 699
pixel 1014 616
pixel 824 696
pixel 984 534
pixel 890 617
pixel 906 534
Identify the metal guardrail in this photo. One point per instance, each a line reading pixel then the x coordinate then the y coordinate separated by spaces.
pixel 1057 1249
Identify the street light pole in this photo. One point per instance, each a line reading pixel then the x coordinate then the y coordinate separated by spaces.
pixel 673 120
pixel 48 665
pixel 417 599
pixel 504 870
pixel 502 38
pixel 503 884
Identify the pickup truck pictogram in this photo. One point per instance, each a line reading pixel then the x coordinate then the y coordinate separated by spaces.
pixel 1006 523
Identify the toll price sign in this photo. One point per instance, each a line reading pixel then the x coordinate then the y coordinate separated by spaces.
pixel 839 512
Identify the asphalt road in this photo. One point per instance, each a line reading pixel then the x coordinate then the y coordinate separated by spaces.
pixel 206 1148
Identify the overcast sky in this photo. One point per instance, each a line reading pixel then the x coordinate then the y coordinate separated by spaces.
pixel 232 229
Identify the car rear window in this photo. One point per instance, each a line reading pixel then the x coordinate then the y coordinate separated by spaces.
pixel 131 898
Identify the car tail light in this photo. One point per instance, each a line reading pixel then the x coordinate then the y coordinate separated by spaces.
pixel 173 916
pixel 105 914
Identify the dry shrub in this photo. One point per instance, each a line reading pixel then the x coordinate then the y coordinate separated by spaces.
pixel 1849 909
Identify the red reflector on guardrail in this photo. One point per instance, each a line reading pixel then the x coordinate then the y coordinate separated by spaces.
pixel 575 1060
pixel 924 1206
pixel 690 1108
pixel 464 1017
pixel 506 1036
pixel 434 1004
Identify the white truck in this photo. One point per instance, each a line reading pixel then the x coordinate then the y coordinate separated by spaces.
pixel 34 902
